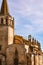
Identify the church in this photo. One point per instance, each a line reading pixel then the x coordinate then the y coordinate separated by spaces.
pixel 14 49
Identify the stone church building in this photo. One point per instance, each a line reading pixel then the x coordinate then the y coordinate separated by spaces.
pixel 14 49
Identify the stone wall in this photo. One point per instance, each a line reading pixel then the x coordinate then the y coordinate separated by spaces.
pixel 11 54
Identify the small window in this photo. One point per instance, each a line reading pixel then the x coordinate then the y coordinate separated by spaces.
pixel 0 47
pixel 1 20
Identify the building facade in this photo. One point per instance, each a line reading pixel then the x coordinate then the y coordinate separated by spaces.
pixel 14 49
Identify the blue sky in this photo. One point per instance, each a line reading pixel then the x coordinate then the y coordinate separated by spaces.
pixel 28 15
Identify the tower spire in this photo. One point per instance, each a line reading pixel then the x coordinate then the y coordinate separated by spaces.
pixel 4 8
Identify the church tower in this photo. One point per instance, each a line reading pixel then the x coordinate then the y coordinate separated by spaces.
pixel 6 27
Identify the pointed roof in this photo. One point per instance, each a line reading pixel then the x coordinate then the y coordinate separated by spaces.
pixel 4 8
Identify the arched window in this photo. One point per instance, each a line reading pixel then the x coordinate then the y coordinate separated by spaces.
pixel 16 61
pixel 16 57
pixel 0 62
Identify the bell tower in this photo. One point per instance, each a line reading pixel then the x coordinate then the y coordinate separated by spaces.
pixel 6 27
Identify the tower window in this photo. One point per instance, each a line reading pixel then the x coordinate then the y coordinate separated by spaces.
pixel 7 21
pixel 0 47
pixel 1 20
